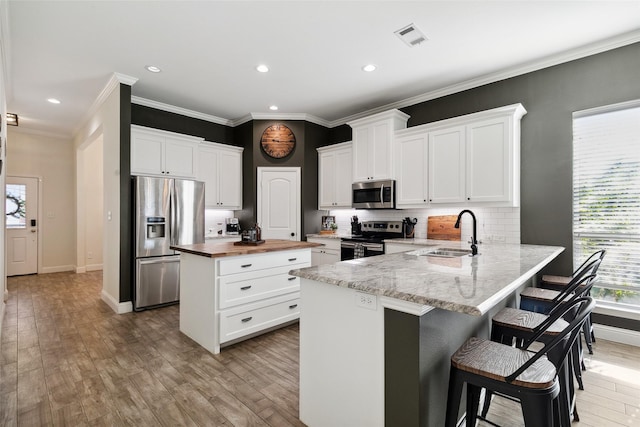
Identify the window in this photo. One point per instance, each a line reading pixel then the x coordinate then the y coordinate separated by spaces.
pixel 15 205
pixel 606 198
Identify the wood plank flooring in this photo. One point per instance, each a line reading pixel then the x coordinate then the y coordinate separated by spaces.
pixel 67 359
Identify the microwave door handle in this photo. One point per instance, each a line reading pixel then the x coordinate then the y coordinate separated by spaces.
pixel 381 193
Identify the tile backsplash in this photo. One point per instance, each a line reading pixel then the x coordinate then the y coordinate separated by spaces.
pixel 498 225
pixel 214 220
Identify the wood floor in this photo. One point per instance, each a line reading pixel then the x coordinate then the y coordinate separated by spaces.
pixel 67 359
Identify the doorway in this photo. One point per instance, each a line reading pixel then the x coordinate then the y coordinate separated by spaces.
pixel 278 202
pixel 22 225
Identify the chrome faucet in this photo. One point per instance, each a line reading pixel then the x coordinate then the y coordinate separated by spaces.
pixel 474 238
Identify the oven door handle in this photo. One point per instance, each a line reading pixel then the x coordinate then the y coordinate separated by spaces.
pixel 374 246
pixel 349 245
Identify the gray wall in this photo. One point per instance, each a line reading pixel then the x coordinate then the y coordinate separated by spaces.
pixel 550 96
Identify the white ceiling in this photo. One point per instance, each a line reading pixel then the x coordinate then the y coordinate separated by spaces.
pixel 208 51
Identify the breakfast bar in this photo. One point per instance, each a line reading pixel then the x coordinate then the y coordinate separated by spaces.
pixel 230 292
pixel 377 334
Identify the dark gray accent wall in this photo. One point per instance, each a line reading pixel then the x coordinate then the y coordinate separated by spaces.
pixel 158 119
pixel 550 96
pixel 126 218
pixel 308 137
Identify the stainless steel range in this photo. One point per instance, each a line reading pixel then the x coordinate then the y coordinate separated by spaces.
pixel 371 242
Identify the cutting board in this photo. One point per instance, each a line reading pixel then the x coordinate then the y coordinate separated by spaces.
pixel 442 227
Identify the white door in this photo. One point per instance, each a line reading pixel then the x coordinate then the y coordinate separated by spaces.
pixel 279 203
pixel 22 225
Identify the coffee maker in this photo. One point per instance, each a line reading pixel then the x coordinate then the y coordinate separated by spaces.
pixel 233 226
pixel 356 227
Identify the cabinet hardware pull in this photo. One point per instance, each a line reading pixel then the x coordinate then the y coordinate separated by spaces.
pixel 292 259
pixel 246 319
pixel 293 306
pixel 246 265
pixel 244 288
pixel 291 278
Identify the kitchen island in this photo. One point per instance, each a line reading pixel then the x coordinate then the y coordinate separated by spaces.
pixel 233 292
pixel 377 334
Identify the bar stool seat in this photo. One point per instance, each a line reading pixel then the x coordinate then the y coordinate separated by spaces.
pixel 512 323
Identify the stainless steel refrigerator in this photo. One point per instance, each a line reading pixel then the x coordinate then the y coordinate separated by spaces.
pixel 166 212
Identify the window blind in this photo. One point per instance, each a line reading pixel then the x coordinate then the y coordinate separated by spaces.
pixel 606 197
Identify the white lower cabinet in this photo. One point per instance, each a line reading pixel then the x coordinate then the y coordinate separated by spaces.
pixel 252 318
pixel 327 254
pixel 256 292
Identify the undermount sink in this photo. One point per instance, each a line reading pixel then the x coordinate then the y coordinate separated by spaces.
pixel 441 252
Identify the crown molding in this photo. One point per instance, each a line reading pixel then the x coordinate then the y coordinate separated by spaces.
pixel 290 116
pixel 179 110
pixel 572 55
pixel 114 82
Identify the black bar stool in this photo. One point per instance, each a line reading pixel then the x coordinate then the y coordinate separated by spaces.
pixel 531 378
pixel 559 283
pixel 512 324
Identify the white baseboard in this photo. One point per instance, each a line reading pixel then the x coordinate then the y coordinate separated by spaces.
pixel 81 270
pixel 94 267
pixel 118 307
pixel 619 335
pixel 58 269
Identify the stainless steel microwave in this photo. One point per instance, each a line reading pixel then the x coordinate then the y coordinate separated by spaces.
pixel 374 195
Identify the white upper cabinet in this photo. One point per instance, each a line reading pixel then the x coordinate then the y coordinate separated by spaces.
pixel 411 171
pixel 372 144
pixel 466 160
pixel 490 161
pixel 447 165
pixel 162 153
pixel 220 167
pixel 334 176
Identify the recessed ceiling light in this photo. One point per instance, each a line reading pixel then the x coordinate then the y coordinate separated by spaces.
pixel 262 68
pixel 153 68
pixel 273 108
pixel 369 68
pixel 53 101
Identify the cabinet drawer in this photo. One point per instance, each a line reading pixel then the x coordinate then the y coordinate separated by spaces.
pixel 238 322
pixel 246 263
pixel 239 289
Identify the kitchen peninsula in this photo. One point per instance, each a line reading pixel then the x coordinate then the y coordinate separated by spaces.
pixel 230 292
pixel 377 334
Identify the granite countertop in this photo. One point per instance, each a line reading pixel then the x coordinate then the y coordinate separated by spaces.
pixel 471 285
pixel 225 249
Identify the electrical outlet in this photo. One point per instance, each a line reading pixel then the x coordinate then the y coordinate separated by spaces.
pixel 89 255
pixel 366 300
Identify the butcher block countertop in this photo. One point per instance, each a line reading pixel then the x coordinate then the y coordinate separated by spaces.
pixel 212 249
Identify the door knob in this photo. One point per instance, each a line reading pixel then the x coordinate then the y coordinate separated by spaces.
pixel 293 234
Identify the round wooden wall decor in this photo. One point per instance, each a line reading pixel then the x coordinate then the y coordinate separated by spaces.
pixel 278 141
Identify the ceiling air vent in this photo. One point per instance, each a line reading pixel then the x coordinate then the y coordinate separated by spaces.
pixel 411 35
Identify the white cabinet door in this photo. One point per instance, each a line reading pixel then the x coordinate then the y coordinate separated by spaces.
pixel 230 178
pixel 326 180
pixel 343 177
pixel 381 144
pixel 180 158
pixel 361 154
pixel 447 165
pixel 221 170
pixel 334 177
pixel 411 171
pixel 208 173
pixel 147 154
pixel 489 162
